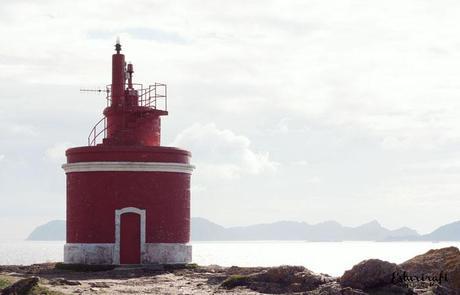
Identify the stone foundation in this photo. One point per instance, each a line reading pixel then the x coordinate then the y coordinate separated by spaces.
pixel 162 253
pixel 167 253
pixel 88 253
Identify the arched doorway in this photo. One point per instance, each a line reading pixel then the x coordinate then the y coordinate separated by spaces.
pixel 129 236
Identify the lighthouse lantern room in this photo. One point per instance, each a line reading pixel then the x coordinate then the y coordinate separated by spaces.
pixel 128 197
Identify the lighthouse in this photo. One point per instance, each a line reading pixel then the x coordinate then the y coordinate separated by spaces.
pixel 128 197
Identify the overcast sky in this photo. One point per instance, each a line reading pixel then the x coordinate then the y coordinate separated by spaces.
pixel 293 110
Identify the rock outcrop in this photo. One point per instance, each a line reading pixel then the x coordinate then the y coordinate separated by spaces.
pixel 440 266
pixel 334 288
pixel 21 287
pixel 435 272
pixel 279 280
pixel 372 277
pixel 369 274
pixel 287 279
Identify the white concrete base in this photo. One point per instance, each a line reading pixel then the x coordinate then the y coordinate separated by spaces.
pixel 167 253
pixel 88 253
pixel 162 253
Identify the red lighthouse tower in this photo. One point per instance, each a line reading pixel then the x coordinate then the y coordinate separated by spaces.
pixel 128 197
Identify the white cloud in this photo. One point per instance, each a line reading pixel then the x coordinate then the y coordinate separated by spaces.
pixel 56 152
pixel 359 92
pixel 2 157
pixel 198 188
pixel 313 180
pixel 23 130
pixel 222 153
pixel 300 163
pixel 395 143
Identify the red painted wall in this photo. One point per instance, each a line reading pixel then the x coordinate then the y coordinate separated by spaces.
pixel 93 197
pixel 107 153
pixel 133 125
pixel 118 80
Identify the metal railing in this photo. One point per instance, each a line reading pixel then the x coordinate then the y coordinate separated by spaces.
pixel 154 97
pixel 98 129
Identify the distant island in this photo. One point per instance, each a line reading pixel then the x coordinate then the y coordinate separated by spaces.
pixel 51 231
pixel 329 231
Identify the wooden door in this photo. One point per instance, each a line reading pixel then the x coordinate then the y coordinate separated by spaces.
pixel 130 238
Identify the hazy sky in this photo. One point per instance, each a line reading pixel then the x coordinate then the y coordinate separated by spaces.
pixel 293 110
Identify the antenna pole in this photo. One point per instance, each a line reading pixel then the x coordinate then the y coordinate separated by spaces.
pixel 94 90
pixel 118 46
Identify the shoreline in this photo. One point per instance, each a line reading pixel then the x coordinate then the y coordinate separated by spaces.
pixel 370 275
pixel 331 258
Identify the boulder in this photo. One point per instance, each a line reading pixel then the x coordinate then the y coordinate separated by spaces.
pixel 21 287
pixel 63 282
pixel 287 279
pixel 433 261
pixel 369 274
pixel 440 290
pixel 443 264
pixel 99 284
pixel 278 280
pixel 334 288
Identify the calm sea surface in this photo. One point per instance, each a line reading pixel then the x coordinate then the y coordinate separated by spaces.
pixel 327 257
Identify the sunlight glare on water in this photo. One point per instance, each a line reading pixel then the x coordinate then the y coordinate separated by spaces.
pixel 326 257
pixel 332 258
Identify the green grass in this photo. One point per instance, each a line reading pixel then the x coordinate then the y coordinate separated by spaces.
pixel 235 281
pixel 5 282
pixel 191 266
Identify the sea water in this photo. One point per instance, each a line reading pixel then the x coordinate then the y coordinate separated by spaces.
pixel 324 257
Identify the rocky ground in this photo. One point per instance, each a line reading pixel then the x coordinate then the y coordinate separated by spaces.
pixel 435 272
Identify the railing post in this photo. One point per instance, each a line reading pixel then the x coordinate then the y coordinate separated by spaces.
pixel 155 97
pixel 166 97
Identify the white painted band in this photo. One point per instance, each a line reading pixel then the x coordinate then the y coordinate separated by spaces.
pixel 128 166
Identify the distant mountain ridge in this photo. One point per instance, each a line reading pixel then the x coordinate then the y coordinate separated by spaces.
pixel 330 231
pixel 203 229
